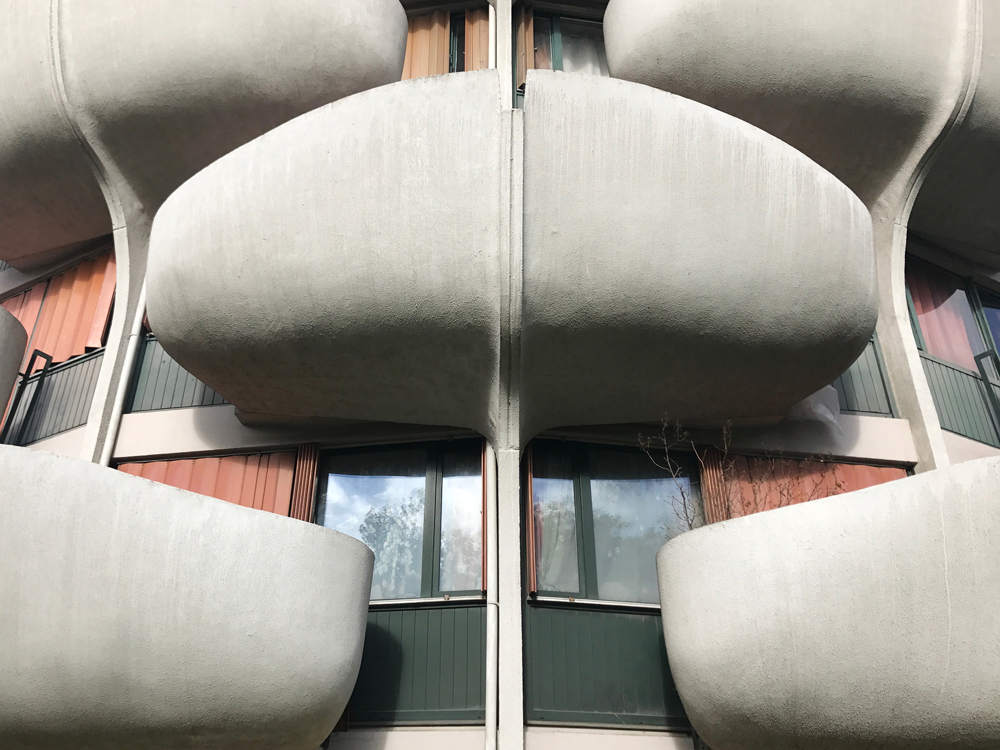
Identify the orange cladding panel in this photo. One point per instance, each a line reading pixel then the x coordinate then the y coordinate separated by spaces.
pixel 74 309
pixel 262 481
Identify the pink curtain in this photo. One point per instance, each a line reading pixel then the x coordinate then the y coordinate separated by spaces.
pixel 944 314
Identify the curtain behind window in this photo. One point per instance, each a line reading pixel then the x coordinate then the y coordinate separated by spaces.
pixel 944 314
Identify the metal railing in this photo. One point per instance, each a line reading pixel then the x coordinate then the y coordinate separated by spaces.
pixel 967 403
pixel 161 383
pixel 55 399
pixel 863 389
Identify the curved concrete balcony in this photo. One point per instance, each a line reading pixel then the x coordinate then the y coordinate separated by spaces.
pixel 96 94
pixel 676 261
pixel 862 620
pixel 13 340
pixel 957 206
pixel 850 83
pixel 139 615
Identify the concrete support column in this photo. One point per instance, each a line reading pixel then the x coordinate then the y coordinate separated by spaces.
pixel 890 217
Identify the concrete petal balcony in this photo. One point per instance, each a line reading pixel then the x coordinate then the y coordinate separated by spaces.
pixel 13 340
pixel 679 262
pixel 97 93
pixel 138 615
pixel 862 620
pixel 676 261
pixel 850 83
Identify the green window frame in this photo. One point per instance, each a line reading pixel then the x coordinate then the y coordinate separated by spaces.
pixel 682 466
pixel 433 499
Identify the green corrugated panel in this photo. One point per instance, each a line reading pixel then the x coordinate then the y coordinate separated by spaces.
pixel 961 401
pixel 863 388
pixel 422 665
pixel 598 666
pixel 161 383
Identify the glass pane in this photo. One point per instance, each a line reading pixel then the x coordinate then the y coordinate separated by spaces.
pixel 944 313
pixel 991 309
pixel 543 44
pixel 583 48
pixel 556 558
pixel 462 520
pixel 637 507
pixel 378 497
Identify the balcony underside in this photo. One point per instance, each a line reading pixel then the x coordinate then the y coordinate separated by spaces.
pixel 957 204
pixel 862 620
pixel 13 340
pixel 138 615
pixel 676 261
pixel 150 101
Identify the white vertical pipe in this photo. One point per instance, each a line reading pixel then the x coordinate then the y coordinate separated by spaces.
pixel 493 37
pixel 492 600
pixel 124 380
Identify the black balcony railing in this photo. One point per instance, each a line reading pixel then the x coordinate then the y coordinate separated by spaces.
pixel 161 383
pixel 55 399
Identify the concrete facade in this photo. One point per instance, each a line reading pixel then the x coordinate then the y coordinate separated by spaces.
pixel 132 611
pixel 13 340
pixel 353 262
pixel 863 620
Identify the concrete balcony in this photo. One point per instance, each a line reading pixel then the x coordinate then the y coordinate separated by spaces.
pixel 850 83
pixel 353 264
pixel 862 620
pixel 13 340
pixel 139 615
pixel 98 97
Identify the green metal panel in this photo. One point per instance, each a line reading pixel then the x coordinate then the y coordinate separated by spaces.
pixel 64 401
pixel 422 665
pixel 863 389
pixel 598 666
pixel 961 400
pixel 161 383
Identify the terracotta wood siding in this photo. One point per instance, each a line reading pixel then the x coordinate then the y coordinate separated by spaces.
pixel 477 39
pixel 734 486
pixel 304 490
pixel 262 481
pixel 67 315
pixel 524 44
pixel 428 43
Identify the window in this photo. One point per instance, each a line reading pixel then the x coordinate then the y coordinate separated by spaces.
pixel 552 42
pixel 944 314
pixel 419 508
pixel 599 515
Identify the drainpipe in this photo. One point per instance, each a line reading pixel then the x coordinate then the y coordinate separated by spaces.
pixel 493 37
pixel 492 602
pixel 124 380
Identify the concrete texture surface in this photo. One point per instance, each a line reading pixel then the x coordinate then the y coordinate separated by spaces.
pixel 137 615
pixel 957 206
pixel 13 341
pixel 666 275
pixel 850 83
pixel 147 94
pixel 378 218
pixel 347 263
pixel 865 620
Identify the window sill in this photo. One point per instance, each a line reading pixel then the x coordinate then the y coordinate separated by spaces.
pixel 429 601
pixel 593 603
